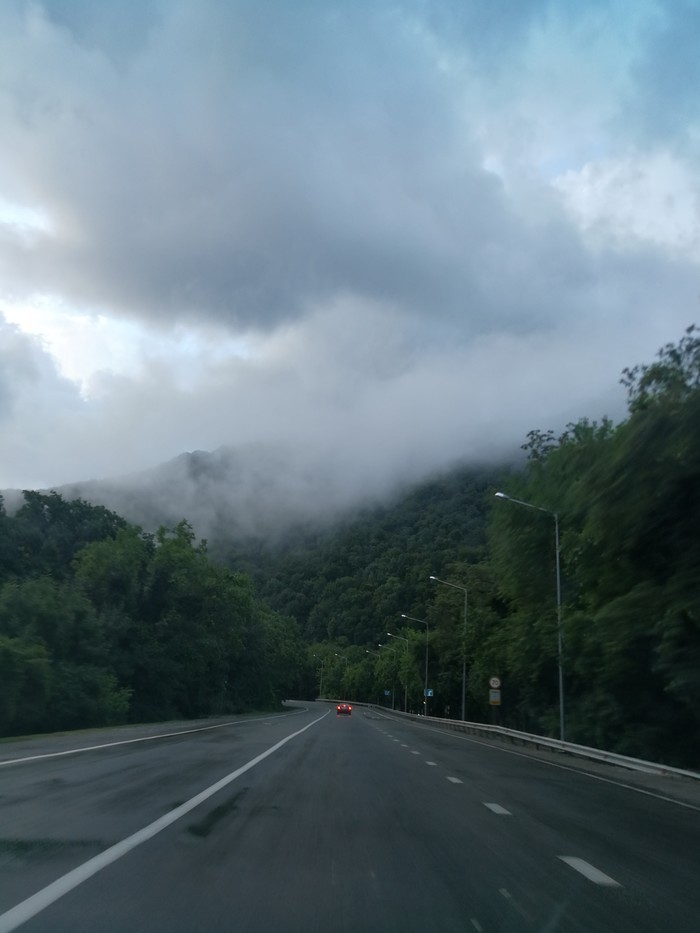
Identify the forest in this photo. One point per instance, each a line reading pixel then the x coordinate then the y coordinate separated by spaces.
pixel 101 622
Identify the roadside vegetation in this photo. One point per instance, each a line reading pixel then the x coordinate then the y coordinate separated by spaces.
pixel 101 623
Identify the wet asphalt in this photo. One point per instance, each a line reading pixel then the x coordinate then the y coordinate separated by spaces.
pixel 323 823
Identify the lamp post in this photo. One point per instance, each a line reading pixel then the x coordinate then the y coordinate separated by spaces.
pixel 393 671
pixel 320 687
pixel 344 677
pixel 377 655
pixel 555 516
pixel 405 684
pixel 425 691
pixel 456 586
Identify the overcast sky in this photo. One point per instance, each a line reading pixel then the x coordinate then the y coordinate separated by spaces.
pixel 385 235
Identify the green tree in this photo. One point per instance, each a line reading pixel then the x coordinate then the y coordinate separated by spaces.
pixel 25 674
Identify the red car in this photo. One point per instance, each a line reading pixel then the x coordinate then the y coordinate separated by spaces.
pixel 343 709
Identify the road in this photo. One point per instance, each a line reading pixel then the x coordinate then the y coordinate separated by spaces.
pixel 309 822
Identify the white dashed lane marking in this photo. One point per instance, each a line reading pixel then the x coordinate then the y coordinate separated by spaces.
pixel 497 808
pixel 454 780
pixel 414 752
pixel 590 871
pixel 433 764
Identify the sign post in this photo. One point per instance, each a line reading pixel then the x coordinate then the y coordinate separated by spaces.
pixel 495 698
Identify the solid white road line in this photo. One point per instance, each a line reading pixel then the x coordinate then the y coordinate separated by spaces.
pixel 454 780
pixel 497 808
pixel 33 905
pixel 590 871
pixel 143 738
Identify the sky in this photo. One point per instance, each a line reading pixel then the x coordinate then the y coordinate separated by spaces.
pixel 380 237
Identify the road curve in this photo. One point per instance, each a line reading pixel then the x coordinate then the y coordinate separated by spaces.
pixel 310 822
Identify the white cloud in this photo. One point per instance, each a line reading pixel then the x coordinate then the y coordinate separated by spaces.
pixel 652 197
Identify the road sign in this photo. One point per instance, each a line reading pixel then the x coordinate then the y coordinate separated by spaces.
pixel 495 683
pixel 494 697
pixel 428 692
pixel 387 693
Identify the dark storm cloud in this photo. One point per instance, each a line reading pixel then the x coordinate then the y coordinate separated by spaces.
pixel 257 159
pixel 247 162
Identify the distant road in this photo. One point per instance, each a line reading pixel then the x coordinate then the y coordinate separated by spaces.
pixel 310 823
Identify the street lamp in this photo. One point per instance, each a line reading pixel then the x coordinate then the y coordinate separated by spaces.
pixel 320 687
pixel 422 622
pixel 555 516
pixel 393 675
pixel 456 586
pixel 393 672
pixel 344 677
pixel 405 685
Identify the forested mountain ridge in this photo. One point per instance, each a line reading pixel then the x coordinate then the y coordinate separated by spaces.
pixel 627 498
pixel 348 581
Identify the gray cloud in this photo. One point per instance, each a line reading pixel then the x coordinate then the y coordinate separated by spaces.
pixel 365 193
pixel 250 161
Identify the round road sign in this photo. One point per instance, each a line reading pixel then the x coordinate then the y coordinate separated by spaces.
pixel 495 682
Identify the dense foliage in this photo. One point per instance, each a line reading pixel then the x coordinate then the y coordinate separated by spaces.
pixel 629 504
pixel 101 623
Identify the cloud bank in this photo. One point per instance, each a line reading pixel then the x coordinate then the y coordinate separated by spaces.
pixel 382 237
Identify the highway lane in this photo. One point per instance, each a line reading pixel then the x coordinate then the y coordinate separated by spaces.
pixel 56 812
pixel 359 824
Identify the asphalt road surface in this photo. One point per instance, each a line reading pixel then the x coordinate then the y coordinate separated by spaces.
pixel 312 823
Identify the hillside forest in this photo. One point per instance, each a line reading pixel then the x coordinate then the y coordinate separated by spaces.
pixel 101 622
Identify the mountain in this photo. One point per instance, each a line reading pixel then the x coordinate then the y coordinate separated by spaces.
pixel 254 493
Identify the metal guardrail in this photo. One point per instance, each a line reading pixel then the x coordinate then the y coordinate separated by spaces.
pixel 536 741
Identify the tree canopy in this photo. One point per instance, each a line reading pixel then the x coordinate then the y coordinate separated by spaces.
pixel 101 623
